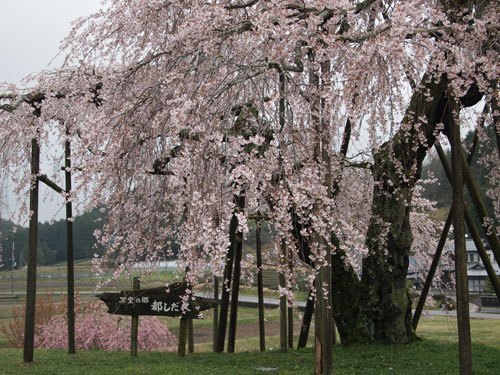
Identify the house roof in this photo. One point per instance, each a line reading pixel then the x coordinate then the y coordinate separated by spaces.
pixel 471 246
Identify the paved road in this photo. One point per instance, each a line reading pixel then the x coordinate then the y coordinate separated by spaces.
pixel 252 301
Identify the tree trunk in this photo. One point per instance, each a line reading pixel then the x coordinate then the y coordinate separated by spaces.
pixel 386 303
pixel 346 297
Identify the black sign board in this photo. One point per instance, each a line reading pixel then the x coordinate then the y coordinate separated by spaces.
pixel 171 300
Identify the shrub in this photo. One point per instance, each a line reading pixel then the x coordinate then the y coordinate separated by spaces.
pixel 95 329
pixel 45 310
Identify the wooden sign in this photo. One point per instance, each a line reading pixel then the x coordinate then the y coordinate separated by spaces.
pixel 166 301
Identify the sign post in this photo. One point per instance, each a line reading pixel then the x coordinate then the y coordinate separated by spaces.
pixel 171 300
pixel 135 324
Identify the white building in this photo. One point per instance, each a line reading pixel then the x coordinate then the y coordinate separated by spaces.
pixel 476 272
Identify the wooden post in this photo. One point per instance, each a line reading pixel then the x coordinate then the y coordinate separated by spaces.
pixel 226 286
pixel 282 283
pixel 290 311
pixel 260 289
pixel 489 232
pixel 306 321
pixel 29 326
pixel 190 336
pixel 472 227
pixel 432 270
pixel 283 305
pixel 318 329
pixel 69 247
pixel 495 109
pixel 135 324
pixel 464 342
pixel 238 252
pixel 327 325
pixel 181 350
pixel 326 319
pixel 216 314
pixel 476 237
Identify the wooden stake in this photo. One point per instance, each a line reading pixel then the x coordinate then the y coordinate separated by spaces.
pixel 464 342
pixel 216 314
pixel 70 251
pixel 283 306
pixel 238 253
pixel 326 321
pixel 306 321
pixel 181 349
pixel 472 227
pixel 489 232
pixel 134 331
pixel 190 336
pixel 318 350
pixel 260 287
pixel 432 270
pixel 226 286
pixel 290 313
pixel 29 326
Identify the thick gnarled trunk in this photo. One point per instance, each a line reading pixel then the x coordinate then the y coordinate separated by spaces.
pixel 386 304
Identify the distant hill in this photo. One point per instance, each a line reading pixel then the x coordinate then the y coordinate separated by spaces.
pixel 51 240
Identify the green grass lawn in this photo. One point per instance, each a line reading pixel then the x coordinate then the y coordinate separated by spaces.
pixel 444 329
pixel 420 358
pixel 436 353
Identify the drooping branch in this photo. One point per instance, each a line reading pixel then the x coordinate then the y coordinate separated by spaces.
pixel 242 5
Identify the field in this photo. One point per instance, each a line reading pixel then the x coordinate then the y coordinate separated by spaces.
pixel 435 353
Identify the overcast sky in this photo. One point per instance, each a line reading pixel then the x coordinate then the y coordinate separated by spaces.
pixel 31 30
pixel 30 35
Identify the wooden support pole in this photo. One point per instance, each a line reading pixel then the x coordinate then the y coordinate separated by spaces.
pixel 432 269
pixel 29 326
pixel 235 292
pixel 472 227
pixel 283 305
pixel 327 325
pixel 283 299
pixel 134 331
pixel 490 231
pixel 464 339
pixel 70 250
pixel 290 327
pixel 51 184
pixel 216 314
pixel 290 313
pixel 260 287
pixel 226 286
pixel 190 336
pixel 318 330
pixel 483 254
pixel 495 109
pixel 181 349
pixel 444 233
pixel 326 338
pixel 306 321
